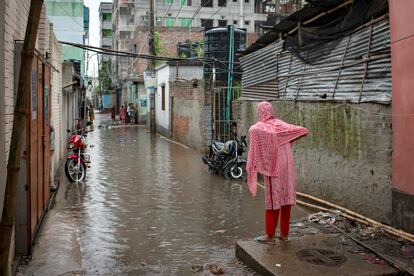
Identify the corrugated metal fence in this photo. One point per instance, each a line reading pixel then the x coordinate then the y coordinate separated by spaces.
pixel 358 69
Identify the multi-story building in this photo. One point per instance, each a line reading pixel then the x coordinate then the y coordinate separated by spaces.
pixel 105 18
pixel 248 14
pixel 71 23
pixel 123 27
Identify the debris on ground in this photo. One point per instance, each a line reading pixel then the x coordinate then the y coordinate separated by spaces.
pixel 215 269
pixel 322 218
pixel 374 260
pixel 221 231
pixel 197 268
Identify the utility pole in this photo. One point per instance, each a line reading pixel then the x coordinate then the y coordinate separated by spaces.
pixel 21 111
pixel 152 66
pixel 241 14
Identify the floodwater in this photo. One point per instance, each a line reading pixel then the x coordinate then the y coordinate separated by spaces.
pixel 149 206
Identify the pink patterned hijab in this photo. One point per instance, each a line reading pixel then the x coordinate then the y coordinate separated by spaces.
pixel 265 138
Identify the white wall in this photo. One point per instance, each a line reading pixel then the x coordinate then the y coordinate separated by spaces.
pixel 162 117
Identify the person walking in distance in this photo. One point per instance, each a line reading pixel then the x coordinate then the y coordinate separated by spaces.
pixel 270 153
pixel 122 114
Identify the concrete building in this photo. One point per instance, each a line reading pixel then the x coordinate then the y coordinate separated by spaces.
pixel 105 29
pixel 122 36
pixel 248 14
pixel 71 24
pixel 166 75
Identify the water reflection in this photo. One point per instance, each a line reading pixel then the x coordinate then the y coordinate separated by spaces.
pixel 149 206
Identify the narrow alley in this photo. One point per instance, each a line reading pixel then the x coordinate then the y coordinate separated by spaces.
pixel 138 212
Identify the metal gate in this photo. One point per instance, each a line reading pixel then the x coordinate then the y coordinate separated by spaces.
pixel 223 98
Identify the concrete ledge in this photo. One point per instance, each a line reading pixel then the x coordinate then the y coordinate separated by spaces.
pixel 281 258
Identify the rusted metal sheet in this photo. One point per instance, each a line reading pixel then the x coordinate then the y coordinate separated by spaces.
pixel 338 76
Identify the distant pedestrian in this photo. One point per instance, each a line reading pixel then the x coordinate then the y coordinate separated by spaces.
pixel 91 113
pixel 113 114
pixel 270 153
pixel 122 114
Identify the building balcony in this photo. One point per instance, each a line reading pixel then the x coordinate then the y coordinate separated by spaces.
pixel 106 41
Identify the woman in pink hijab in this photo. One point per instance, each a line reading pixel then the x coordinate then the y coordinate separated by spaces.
pixel 270 154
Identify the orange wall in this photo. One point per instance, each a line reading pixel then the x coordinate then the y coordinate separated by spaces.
pixel 402 54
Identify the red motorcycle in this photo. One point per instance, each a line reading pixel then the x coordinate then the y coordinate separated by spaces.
pixel 77 161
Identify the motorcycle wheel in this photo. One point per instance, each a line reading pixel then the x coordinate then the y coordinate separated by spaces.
pixel 74 174
pixel 236 171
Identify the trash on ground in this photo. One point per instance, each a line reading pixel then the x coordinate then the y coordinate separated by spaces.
pixel 215 269
pixel 374 260
pixel 197 268
pixel 322 218
pixel 221 231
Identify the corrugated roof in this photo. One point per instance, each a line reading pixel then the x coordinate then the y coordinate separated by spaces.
pixel 289 23
pixel 357 69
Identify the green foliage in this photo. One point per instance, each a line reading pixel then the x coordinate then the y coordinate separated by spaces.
pixel 237 90
pixel 200 49
pixel 105 81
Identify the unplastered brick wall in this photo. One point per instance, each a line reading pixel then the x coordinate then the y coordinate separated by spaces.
pixel 15 20
pixel 56 100
pixel 187 113
pixel 169 38
pixel 345 159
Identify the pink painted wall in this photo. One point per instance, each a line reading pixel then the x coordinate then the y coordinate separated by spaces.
pixel 402 54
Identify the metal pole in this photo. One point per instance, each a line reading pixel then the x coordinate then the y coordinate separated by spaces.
pixel 230 29
pixel 241 14
pixel 152 66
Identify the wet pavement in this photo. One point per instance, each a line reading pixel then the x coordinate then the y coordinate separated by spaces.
pixel 149 206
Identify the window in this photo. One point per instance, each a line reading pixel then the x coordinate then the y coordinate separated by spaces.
pixel 246 1
pixel 106 33
pixel 163 97
pixel 222 23
pixel 207 23
pixel 234 0
pixel 107 17
pixel 247 22
pixel 207 3
pixel 234 22
pixel 185 22
pixel 189 3
pixel 168 2
pixel 259 7
pixel 169 22
pixel 222 3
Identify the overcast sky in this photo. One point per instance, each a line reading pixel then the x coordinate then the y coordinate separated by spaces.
pixel 93 6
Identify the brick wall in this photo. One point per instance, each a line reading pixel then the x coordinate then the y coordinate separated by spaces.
pixel 346 159
pixel 168 42
pixel 188 113
pixel 56 101
pixel 15 19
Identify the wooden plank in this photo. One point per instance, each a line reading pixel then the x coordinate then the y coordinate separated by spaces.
pixel 366 63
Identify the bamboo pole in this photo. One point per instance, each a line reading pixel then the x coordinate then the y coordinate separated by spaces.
pixel 21 111
pixel 397 232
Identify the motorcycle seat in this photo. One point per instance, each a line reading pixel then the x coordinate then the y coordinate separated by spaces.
pixel 218 145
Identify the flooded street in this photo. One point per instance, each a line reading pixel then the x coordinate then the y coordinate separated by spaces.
pixel 149 206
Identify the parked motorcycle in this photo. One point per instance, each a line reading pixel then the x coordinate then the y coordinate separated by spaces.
pixel 227 157
pixel 77 161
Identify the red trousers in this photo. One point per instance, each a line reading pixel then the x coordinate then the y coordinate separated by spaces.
pixel 272 217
